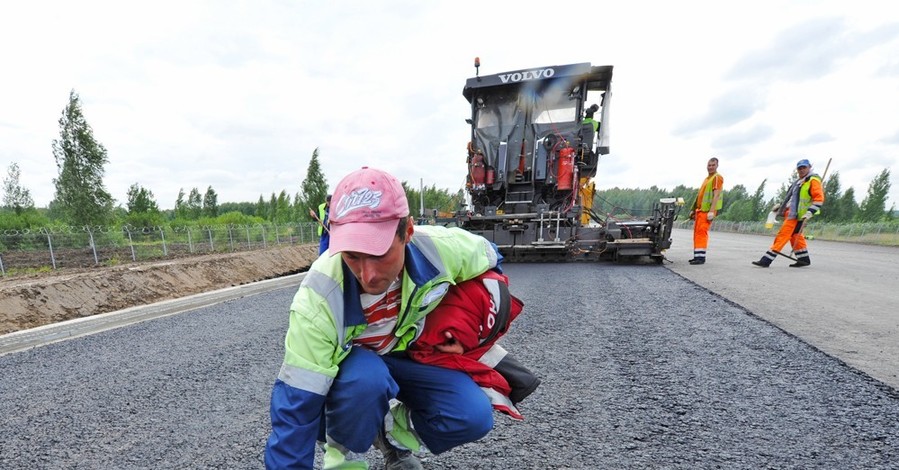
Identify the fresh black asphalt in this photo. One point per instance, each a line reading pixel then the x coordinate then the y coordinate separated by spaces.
pixel 641 368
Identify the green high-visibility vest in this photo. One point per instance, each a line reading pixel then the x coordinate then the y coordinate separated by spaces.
pixel 322 218
pixel 709 194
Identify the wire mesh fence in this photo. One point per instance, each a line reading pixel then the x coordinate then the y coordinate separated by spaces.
pixel 25 251
pixel 886 234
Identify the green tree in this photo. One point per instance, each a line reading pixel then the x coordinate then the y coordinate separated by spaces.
pixel 297 208
pixel 245 208
pixel 210 203
pixel 759 209
pixel 141 200
pixel 80 196
pixel 262 209
pixel 632 203
pixel 143 211
pixel 314 188
pixel 180 205
pixel 873 207
pixel 282 210
pixel 440 200
pixel 33 219
pixel 15 197
pixel 194 204
pixel 236 217
pixel 688 194
pixel 848 208
pixel 736 204
pixel 830 212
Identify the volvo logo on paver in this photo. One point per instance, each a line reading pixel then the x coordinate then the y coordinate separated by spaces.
pixel 527 75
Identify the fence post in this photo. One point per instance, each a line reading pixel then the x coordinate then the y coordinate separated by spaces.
pixel 93 245
pixel 249 246
pixel 131 244
pixel 50 244
pixel 165 249
pixel 190 243
pixel 277 235
pixel 230 237
pixel 211 247
pixel 264 245
pixel 1 266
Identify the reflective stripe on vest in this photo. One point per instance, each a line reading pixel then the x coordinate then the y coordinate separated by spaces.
pixel 493 356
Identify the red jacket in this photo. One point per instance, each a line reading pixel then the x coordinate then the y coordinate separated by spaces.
pixel 473 312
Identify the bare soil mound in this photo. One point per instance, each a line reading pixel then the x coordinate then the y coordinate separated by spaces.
pixel 37 300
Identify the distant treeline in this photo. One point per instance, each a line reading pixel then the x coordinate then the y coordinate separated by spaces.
pixel 739 205
pixel 81 199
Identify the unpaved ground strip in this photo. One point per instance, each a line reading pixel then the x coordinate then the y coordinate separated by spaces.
pixel 69 329
pixel 48 298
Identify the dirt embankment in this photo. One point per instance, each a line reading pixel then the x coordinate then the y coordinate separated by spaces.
pixel 38 300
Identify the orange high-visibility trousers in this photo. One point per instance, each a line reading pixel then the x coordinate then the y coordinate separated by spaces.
pixel 789 232
pixel 701 227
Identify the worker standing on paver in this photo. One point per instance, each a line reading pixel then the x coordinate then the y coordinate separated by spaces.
pixel 706 206
pixel 805 197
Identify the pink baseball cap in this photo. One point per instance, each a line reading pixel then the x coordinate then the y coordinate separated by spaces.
pixel 368 208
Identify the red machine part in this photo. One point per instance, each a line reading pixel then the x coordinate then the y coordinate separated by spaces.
pixel 477 170
pixel 566 168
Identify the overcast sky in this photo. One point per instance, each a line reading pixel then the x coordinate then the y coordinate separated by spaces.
pixel 237 95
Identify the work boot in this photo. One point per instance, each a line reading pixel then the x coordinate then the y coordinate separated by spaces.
pixel 395 458
pixel 698 256
pixel 800 262
pixel 765 260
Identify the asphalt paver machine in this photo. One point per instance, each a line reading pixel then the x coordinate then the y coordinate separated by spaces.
pixel 536 140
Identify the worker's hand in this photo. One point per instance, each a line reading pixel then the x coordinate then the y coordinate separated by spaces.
pixel 450 346
pixel 807 215
pixel 692 214
pixel 709 216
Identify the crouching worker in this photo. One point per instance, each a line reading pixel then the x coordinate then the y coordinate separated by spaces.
pixel 351 322
pixel 461 333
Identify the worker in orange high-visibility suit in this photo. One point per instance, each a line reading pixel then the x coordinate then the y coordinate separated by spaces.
pixel 706 206
pixel 805 197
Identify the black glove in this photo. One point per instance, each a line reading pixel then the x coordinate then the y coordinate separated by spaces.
pixel 520 378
